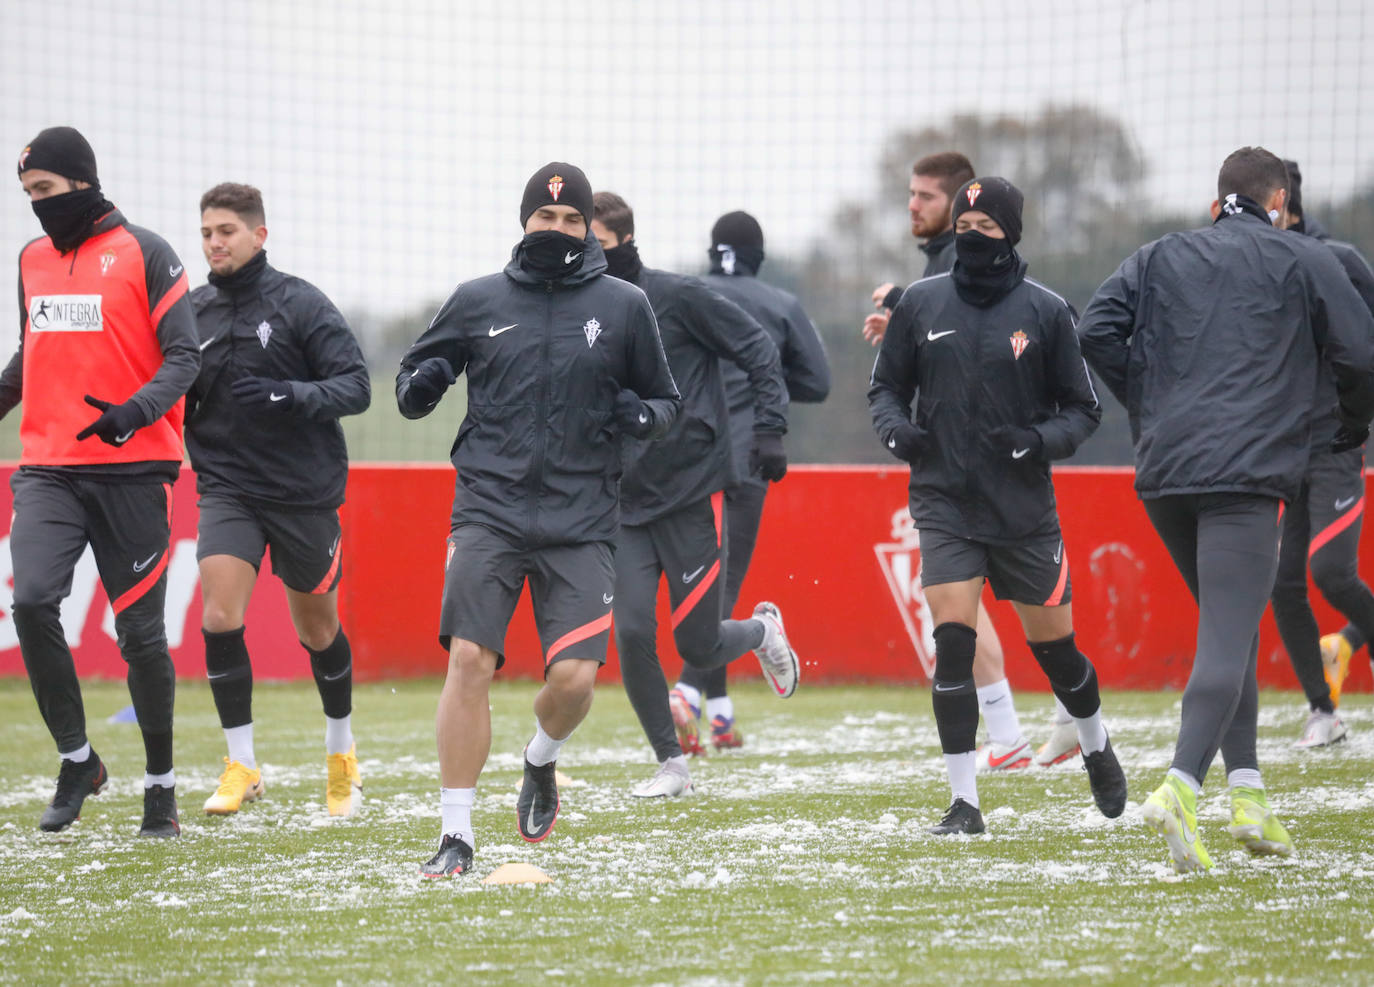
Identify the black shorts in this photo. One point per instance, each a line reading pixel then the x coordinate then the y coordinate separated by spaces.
pixel 1034 571
pixel 307 553
pixel 571 588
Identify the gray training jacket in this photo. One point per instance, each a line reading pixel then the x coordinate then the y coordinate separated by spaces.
pixel 538 453
pixel 1211 339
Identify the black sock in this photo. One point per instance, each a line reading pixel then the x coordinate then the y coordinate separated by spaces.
pixel 157 748
pixel 1071 675
pixel 231 677
pixel 952 692
pixel 333 668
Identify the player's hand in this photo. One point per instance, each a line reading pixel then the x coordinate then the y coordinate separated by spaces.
pixel 881 292
pixel 907 442
pixel 1349 437
pixel 631 415
pixel 117 422
pixel 767 457
pixel 1017 443
pixel 875 327
pixel 429 381
pixel 263 394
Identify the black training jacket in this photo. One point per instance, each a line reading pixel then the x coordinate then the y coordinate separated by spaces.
pixel 939 251
pixel 1326 412
pixel 970 370
pixel 537 453
pixel 1211 339
pixel 805 367
pixel 264 323
pixel 693 460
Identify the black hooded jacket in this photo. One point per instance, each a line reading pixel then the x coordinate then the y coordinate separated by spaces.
pixel 1212 339
pixel 538 453
pixel 263 323
pixel 1326 411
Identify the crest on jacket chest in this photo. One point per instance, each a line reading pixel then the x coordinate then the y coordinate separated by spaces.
pixel 591 329
pixel 1019 342
pixel 264 332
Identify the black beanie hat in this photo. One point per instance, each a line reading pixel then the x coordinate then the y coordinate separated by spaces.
pixel 1294 187
pixel 557 182
pixel 997 197
pixel 737 229
pixel 62 151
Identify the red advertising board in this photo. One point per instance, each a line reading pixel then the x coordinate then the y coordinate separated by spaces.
pixel 836 552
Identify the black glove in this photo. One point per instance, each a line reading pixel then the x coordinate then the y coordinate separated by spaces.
pixel 117 422
pixel 262 394
pixel 429 381
pixel 632 415
pixel 1349 437
pixel 767 457
pixel 907 442
pixel 1017 443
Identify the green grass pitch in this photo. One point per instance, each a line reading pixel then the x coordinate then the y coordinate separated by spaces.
pixel 801 859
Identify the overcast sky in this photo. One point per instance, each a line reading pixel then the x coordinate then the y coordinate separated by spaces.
pixel 392 139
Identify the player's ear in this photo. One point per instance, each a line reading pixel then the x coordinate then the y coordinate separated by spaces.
pixel 1216 210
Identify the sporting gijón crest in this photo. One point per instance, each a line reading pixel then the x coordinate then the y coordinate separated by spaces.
pixel 1019 342
pixel 592 329
pixel 900 560
pixel 264 333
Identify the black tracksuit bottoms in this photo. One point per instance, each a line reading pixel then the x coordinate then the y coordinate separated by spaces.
pixel 686 547
pixel 1225 546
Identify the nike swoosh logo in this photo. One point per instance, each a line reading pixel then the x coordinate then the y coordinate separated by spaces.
pixel 932 335
pixel 1059 554
pixel 529 821
pixel 173 271
pixel 208 342
pixel 215 675
pixel 892 443
pixel 942 688
pixel 569 257
pixel 276 397
pixel 121 439
pixel 996 762
pixel 140 566
pixel 687 577
pixel 415 371
pixel 493 331
pixel 643 418
pixel 1018 453
pixel 1343 504
pixel 334 546
pixel 606 598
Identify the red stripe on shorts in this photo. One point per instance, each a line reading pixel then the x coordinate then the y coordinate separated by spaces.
pixel 577 634
pixel 1058 593
pixel 328 579
pixel 1336 527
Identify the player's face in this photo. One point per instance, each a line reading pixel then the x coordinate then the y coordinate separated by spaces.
pixel 980 221
pixel 40 184
pixel 559 218
pixel 228 241
pixel 929 207
pixel 607 239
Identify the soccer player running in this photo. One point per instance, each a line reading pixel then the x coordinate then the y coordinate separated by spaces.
pixel 671 497
pixel 934 181
pixel 1321 529
pixel 104 324
pixel 736 254
pixel 991 360
pixel 279 367
pixel 560 362
pixel 1211 339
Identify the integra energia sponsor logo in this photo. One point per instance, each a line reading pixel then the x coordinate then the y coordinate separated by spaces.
pixel 65 313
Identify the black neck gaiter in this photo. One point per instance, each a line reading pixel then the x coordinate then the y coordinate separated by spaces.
pixel 69 218
pixel 623 262
pixel 244 277
pixel 550 255
pixel 986 268
pixel 728 259
pixel 1235 204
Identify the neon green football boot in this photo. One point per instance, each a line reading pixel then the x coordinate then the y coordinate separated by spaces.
pixel 1172 813
pixel 1255 826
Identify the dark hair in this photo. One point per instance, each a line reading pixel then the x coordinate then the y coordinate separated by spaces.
pixel 950 167
pixel 614 213
pixel 1294 188
pixel 1252 172
pixel 242 199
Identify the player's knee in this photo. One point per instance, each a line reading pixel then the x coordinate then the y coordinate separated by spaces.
pixel 635 639
pixel 954 648
pixel 470 665
pixel 1333 575
pixel 317 634
pixel 572 681
pixel 218 617
pixel 33 617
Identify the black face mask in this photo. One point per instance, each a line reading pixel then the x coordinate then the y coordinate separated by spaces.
pixel 69 217
pixel 550 255
pixel 727 259
pixel 986 268
pixel 623 262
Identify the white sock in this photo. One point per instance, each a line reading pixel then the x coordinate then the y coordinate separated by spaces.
pixel 691 694
pixel 720 706
pixel 1188 780
pixel 999 713
pixel 80 755
pixel 338 734
pixel 240 741
pixel 168 780
pixel 1061 715
pixel 455 805
pixel 1092 735
pixel 1244 778
pixel 543 749
pixel 678 761
pixel 963 774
